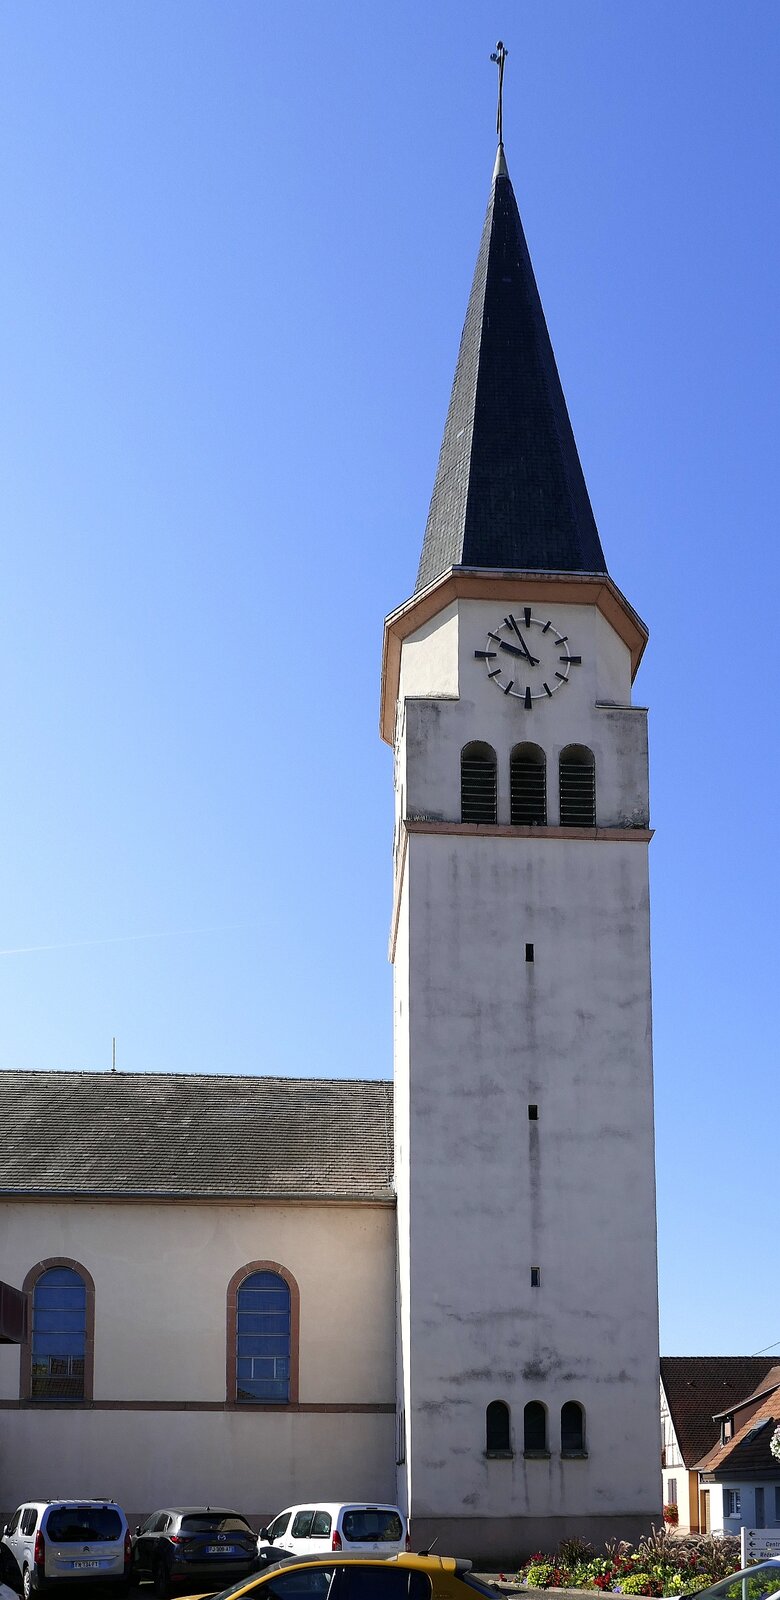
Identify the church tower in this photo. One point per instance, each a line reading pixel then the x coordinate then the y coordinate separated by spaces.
pixel 527 1298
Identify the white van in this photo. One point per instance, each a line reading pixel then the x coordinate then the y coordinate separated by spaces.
pixel 67 1541
pixel 321 1526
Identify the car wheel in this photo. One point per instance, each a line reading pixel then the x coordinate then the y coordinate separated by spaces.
pixel 161 1580
pixel 28 1589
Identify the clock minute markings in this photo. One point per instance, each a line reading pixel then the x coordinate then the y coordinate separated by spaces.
pixel 529 705
pixel 574 661
pixel 489 655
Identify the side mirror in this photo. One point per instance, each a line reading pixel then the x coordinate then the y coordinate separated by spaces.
pixel 265 1533
pixel 137 1529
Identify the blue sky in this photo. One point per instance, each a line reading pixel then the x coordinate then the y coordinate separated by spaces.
pixel 238 242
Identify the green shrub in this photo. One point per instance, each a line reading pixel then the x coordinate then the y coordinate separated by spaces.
pixel 636 1583
pixel 702 1580
pixel 538 1575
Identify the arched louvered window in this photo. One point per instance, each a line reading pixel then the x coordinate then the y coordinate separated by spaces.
pixel 528 785
pixel 535 1428
pixel 263 1325
pixel 498 1440
pixel 59 1335
pixel 572 1429
pixel 477 783
pixel 578 787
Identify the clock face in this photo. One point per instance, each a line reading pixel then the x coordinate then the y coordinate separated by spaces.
pixel 527 658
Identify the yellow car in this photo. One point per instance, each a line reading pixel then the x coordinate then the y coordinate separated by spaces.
pixel 353 1577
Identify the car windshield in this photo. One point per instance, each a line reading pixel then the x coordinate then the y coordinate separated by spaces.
pixel 215 1522
pixel 372 1525
pixel 74 1524
pixel 752 1584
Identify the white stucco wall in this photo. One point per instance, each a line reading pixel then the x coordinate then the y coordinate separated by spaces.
pixel 490 1193
pixel 161 1274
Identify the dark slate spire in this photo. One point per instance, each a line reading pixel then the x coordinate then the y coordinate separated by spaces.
pixel 509 490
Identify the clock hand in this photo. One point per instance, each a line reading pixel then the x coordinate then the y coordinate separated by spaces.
pixel 513 650
pixel 523 646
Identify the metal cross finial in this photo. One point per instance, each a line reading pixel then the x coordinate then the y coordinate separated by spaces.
pixel 499 56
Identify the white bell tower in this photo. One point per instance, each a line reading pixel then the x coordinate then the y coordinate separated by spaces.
pixel 527 1312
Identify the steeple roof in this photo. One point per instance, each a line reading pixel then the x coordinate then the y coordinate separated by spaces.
pixel 510 491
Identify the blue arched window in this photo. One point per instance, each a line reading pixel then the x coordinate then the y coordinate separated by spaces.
pixel 59 1335
pixel 263 1339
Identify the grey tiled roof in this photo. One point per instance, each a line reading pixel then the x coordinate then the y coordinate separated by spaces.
pixel 510 491
pixel 191 1134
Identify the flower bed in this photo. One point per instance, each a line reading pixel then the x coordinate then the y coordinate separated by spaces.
pixel 661 1564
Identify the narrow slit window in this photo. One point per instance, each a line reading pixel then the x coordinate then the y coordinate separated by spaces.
pixel 577 787
pixel 536 1277
pixel 528 786
pixel 529 952
pixel 533 1113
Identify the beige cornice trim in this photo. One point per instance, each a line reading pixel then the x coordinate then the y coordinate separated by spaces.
pixel 464 583
pixel 503 830
pixel 47 1197
pixel 323 1408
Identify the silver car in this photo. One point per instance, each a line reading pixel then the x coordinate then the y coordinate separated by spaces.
pixel 56 1541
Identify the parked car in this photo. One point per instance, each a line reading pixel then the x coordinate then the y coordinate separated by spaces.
pixel 759 1582
pixel 48 1542
pixel 344 1577
pixel 325 1525
pixel 180 1543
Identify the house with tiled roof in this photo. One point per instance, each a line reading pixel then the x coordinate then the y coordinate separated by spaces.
pixel 718 1414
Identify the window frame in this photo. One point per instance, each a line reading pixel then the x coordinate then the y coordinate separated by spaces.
pixel 25 1363
pixel 231 1385
pixel 734 1502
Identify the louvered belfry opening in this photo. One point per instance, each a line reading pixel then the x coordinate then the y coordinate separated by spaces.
pixel 578 787
pixel 528 786
pixel 478 783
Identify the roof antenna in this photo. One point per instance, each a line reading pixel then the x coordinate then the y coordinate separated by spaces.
pixel 113 1055
pixel 499 55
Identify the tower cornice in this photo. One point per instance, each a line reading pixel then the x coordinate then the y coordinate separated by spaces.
pixel 475 583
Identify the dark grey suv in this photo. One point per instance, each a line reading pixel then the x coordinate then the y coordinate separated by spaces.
pixel 203 1543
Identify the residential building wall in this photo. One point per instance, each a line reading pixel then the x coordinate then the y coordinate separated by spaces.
pixel 160 1428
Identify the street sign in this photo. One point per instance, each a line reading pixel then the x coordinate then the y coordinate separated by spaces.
pixel 758 1544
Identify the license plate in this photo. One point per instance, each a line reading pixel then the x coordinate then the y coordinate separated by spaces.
pixel 81 1564
pixel 220 1550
